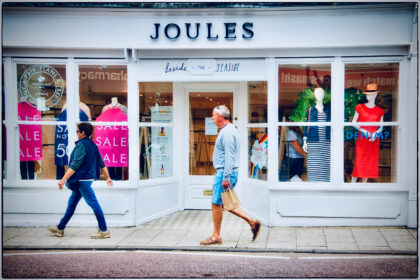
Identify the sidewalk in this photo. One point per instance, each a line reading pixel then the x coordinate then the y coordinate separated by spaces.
pixel 184 230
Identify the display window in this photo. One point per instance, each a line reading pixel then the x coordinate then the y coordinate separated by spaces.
pixel 156 148
pixel 371 95
pixel 304 98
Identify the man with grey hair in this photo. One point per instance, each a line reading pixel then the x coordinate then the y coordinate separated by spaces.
pixel 226 162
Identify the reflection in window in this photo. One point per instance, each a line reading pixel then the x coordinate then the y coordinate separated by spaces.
pixel 103 89
pixel 154 97
pixel 155 152
pixel 42 87
pixel 296 89
pixel 257 92
pixel 384 75
pixel 370 158
pixel 291 154
pixel 257 155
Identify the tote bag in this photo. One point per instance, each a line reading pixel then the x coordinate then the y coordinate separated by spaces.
pixel 230 200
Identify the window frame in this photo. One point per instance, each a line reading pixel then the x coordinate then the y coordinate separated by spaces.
pixel 337 125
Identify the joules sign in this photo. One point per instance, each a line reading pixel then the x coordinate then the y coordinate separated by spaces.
pixel 194 31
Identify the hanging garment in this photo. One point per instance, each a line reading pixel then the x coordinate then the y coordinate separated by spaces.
pixel 366 162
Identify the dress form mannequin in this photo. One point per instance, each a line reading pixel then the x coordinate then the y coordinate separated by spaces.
pixel 374 113
pixel 82 106
pixel 115 104
pixel 316 140
pixel 319 97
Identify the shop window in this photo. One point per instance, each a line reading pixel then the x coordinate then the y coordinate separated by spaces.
pixel 156 152
pixel 257 95
pixel 156 106
pixel 103 92
pixel 257 155
pixel 41 91
pixel 112 142
pixel 155 97
pixel 371 95
pixel 36 152
pixel 305 97
pixel 103 98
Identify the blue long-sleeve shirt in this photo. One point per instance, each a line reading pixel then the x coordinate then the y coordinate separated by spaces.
pixel 226 154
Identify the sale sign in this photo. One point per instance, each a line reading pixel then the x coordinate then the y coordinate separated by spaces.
pixel 30 136
pixel 112 140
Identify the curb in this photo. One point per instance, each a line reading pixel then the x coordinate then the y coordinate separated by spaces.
pixel 212 249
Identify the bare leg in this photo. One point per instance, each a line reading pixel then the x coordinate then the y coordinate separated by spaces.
pixel 364 180
pixel 241 214
pixel 217 221
pixel 353 179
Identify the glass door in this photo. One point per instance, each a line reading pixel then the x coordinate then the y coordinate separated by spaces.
pixel 202 134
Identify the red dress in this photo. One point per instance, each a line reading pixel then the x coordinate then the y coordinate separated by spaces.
pixel 366 162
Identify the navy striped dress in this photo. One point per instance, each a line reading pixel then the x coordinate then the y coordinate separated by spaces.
pixel 319 155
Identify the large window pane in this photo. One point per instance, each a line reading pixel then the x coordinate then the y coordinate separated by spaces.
pixel 257 155
pixel 41 88
pixel 156 156
pixel 36 152
pixel 370 158
pixel 103 92
pixel 296 90
pixel 384 75
pixel 257 94
pixel 155 97
pixel 112 142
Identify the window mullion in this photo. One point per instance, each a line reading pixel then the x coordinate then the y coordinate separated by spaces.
pixel 337 119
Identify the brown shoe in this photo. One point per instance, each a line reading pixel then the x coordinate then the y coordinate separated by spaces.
pixel 211 241
pixel 256 230
pixel 56 231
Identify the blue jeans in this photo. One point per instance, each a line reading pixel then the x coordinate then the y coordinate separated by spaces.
pixel 218 188
pixel 84 190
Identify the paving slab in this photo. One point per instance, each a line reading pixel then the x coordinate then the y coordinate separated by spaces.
pixel 245 240
pixel 370 239
pixel 140 237
pixel 168 238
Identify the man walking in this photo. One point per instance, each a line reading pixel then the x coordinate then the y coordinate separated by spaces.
pixel 226 162
pixel 84 168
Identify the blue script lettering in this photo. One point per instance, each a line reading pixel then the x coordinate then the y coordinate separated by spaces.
pixel 169 68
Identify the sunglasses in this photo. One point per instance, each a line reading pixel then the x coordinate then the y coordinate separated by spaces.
pixel 77 131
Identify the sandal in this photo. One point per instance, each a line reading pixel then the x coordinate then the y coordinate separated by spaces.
pixel 211 241
pixel 256 230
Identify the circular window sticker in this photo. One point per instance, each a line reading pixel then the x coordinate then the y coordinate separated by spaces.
pixel 41 86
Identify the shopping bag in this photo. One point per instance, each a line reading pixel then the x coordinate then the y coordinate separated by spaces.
pixel 230 200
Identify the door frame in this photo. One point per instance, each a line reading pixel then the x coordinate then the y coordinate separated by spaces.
pixel 203 182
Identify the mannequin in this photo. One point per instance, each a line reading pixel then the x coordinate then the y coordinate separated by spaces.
pixel 61 140
pixel 366 163
pixel 115 104
pixel 316 140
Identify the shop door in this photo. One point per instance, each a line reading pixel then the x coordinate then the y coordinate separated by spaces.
pixel 202 134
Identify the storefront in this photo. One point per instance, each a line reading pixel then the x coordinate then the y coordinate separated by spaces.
pixel 148 75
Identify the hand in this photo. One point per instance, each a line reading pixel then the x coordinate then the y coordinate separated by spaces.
pixel 373 136
pixel 226 184
pixel 61 184
pixel 109 182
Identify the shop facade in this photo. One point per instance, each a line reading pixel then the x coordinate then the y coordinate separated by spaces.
pixel 148 76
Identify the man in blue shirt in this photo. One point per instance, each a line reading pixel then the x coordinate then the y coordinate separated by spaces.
pixel 226 162
pixel 84 168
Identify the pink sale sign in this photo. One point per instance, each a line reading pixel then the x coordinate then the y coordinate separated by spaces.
pixel 112 140
pixel 30 136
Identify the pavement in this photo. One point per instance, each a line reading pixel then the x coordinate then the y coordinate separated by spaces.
pixel 184 230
